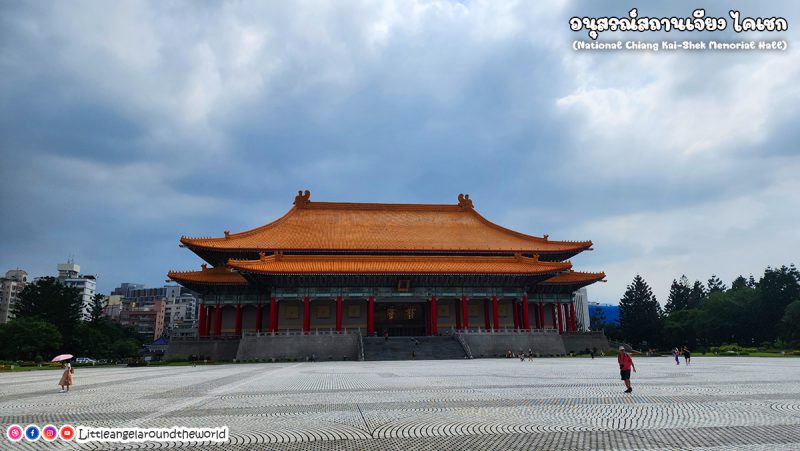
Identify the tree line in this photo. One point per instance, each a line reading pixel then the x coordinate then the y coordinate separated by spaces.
pixel 48 321
pixel 763 312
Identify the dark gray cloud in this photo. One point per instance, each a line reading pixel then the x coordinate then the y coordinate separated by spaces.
pixel 125 126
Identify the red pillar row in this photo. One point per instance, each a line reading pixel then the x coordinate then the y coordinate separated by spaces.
pixel 495 313
pixel 218 321
pixel 526 319
pixel 201 321
pixel 371 316
pixel 338 313
pixel 434 317
pixel 237 328
pixel 306 314
pixel 273 315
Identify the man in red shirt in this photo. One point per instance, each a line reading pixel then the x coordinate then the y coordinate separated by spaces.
pixel 625 365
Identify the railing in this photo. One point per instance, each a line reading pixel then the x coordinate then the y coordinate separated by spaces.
pixel 464 345
pixel 360 347
pixel 297 332
pixel 504 331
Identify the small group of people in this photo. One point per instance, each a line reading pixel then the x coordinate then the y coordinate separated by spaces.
pixel 521 355
pixel 66 378
pixel 687 356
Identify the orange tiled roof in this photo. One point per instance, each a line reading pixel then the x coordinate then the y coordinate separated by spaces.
pixel 383 227
pixel 393 264
pixel 221 275
pixel 574 277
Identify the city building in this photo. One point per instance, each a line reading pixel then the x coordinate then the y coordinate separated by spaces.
pixel 609 313
pixel 396 269
pixel 86 284
pixel 147 320
pixel 10 286
pixel 180 303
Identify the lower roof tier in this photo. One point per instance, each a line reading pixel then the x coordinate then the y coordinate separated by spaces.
pixel 279 270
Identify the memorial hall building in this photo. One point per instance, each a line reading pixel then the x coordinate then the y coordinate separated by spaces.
pixel 387 270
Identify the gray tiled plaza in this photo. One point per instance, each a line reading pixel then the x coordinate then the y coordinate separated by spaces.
pixel 556 403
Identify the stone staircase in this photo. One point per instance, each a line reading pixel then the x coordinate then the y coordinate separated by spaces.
pixel 408 348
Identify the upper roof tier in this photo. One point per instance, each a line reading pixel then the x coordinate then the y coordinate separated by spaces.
pixel 354 227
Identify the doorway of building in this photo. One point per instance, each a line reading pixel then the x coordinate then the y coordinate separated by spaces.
pixel 403 320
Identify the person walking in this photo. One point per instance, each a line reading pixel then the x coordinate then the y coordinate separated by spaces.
pixel 625 366
pixel 530 355
pixel 677 355
pixel 66 378
pixel 687 356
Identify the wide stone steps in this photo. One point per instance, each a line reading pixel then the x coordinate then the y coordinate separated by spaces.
pixel 407 348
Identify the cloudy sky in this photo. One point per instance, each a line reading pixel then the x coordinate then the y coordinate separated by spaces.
pixel 124 125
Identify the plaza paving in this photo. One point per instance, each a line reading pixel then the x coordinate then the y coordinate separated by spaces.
pixel 556 403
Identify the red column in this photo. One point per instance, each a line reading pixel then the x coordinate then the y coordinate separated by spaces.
pixel 428 318
pixel 565 326
pixel 306 314
pixel 338 313
pixel 238 323
pixel 208 320
pixel 273 315
pixel 572 316
pixel 464 312
pixel 259 313
pixel 486 323
pixel 457 303
pixel 516 314
pixel 217 321
pixel 495 313
pixel 371 316
pixel 201 321
pixel 541 315
pixel 526 319
pixel 434 317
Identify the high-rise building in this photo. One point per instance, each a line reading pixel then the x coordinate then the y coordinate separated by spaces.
pixel 10 287
pixel 180 304
pixel 147 320
pixel 86 284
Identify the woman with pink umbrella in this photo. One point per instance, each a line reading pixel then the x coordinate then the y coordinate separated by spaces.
pixel 66 376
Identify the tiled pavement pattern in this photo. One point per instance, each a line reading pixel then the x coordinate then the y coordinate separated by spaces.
pixel 556 403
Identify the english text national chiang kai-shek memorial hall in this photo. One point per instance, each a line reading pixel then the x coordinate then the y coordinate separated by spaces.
pixel 327 278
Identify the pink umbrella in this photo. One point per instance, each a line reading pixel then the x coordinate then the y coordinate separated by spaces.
pixel 61 357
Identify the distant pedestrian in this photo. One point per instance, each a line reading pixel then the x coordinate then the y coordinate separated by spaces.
pixel 677 355
pixel 385 335
pixel 591 353
pixel 530 355
pixel 625 366
pixel 687 356
pixel 66 378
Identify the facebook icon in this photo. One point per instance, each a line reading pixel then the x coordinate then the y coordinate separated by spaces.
pixel 32 433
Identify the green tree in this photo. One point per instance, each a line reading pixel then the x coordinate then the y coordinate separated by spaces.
pixel 791 321
pixel 97 307
pixel 640 313
pixel 715 284
pixel 682 327
pixel 697 295
pixel 26 338
pixel 679 295
pixel 598 319
pixel 740 283
pixel 777 289
pixel 125 348
pixel 49 300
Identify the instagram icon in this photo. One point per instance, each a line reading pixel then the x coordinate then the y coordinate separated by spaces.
pixel 49 433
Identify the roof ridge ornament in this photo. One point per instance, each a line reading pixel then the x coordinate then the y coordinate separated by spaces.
pixel 302 199
pixel 227 234
pixel 204 267
pixel 546 237
pixel 465 202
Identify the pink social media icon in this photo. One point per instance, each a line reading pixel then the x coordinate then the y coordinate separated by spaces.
pixel 14 432
pixel 49 433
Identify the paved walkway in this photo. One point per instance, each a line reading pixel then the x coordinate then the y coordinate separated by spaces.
pixel 558 403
